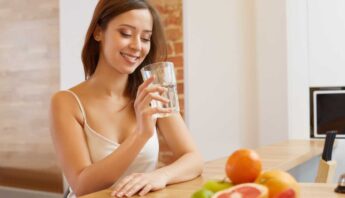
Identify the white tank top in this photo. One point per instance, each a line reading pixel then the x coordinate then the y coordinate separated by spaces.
pixel 100 147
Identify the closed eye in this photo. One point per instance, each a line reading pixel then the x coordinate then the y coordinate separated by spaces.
pixel 125 35
pixel 145 39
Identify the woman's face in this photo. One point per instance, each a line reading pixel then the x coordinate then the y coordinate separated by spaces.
pixel 126 40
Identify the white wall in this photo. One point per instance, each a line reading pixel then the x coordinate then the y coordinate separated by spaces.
pixel 298 69
pixel 316 46
pixel 220 75
pixel 75 17
pixel 326 42
pixel 271 63
pixel 236 74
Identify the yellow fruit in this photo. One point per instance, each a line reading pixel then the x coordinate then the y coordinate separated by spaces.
pixel 280 184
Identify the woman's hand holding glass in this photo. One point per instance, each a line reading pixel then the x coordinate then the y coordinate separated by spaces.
pixel 143 111
pixel 140 183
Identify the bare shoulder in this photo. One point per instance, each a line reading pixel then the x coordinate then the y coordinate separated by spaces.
pixel 61 99
pixel 64 103
pixel 65 98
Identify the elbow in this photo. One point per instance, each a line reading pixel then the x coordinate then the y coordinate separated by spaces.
pixel 85 185
pixel 84 191
pixel 81 185
pixel 80 190
pixel 83 188
pixel 79 194
pixel 77 185
pixel 200 164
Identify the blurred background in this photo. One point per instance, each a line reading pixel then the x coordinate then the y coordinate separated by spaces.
pixel 244 70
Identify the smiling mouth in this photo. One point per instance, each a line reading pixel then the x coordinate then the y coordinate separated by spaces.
pixel 130 58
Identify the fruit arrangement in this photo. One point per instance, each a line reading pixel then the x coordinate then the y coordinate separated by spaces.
pixel 247 180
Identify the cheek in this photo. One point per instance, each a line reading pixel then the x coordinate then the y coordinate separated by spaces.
pixel 146 49
pixel 112 44
pixel 110 48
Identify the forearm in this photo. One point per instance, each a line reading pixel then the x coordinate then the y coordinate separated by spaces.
pixel 105 172
pixel 187 167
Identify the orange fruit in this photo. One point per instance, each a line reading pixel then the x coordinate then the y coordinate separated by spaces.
pixel 280 184
pixel 243 166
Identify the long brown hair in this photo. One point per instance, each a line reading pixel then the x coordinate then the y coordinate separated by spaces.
pixel 104 12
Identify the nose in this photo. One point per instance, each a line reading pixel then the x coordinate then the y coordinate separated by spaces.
pixel 135 44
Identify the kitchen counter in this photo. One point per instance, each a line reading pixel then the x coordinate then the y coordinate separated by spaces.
pixel 284 156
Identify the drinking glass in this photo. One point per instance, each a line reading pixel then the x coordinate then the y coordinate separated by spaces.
pixel 164 76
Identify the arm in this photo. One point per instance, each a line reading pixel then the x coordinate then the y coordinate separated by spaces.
pixel 71 148
pixel 188 165
pixel 73 155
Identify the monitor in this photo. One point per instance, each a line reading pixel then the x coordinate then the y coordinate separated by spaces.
pixel 327 111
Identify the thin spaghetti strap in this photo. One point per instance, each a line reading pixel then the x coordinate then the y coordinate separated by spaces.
pixel 79 103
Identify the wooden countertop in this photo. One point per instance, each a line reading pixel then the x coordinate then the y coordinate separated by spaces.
pixel 308 190
pixel 284 156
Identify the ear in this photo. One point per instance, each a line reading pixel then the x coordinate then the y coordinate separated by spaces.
pixel 97 34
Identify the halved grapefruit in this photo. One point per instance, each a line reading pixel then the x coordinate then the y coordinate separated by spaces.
pixel 247 190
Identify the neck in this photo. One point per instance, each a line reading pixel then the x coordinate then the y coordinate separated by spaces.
pixel 108 81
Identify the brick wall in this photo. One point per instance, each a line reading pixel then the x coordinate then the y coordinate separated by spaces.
pixel 171 15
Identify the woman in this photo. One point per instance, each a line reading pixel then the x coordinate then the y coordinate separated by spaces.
pixel 103 128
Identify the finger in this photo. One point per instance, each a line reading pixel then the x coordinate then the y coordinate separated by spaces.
pixel 156 88
pixel 152 89
pixel 122 183
pixel 126 189
pixel 146 83
pixel 135 188
pixel 153 96
pixel 145 190
pixel 150 111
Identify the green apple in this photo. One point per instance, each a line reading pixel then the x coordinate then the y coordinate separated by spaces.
pixel 202 193
pixel 216 186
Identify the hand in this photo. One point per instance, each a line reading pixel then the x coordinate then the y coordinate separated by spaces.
pixel 140 183
pixel 142 108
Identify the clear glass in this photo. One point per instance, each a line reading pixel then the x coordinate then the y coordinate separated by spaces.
pixel 164 73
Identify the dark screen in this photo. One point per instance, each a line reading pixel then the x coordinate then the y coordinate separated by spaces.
pixel 330 112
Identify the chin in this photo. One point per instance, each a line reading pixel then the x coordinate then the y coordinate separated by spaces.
pixel 127 68
pixel 130 70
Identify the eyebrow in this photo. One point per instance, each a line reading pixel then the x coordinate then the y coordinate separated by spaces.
pixel 132 27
